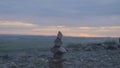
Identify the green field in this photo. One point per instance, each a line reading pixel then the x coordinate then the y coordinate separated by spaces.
pixel 10 43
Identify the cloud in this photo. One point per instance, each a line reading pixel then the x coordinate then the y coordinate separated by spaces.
pixel 63 12
pixel 73 17
pixel 81 21
pixel 56 8
pixel 16 24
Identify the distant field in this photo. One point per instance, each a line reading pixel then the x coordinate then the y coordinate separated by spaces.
pixel 13 43
pixel 23 42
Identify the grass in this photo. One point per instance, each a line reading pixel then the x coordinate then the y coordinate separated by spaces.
pixel 112 42
pixel 72 45
pixel 11 45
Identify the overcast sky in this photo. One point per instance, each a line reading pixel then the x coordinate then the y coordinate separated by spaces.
pixel 95 18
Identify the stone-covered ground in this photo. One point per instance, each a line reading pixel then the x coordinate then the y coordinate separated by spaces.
pixel 77 57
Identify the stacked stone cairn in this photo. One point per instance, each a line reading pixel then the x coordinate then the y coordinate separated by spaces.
pixel 57 61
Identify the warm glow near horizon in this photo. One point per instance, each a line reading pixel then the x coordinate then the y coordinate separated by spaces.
pixel 32 29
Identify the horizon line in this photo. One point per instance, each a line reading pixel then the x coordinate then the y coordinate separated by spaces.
pixel 63 35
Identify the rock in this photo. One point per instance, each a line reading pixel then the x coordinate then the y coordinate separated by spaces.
pixel 88 48
pixel 5 57
pixel 91 47
pixel 59 35
pixel 118 45
pixel 13 65
pixel 62 49
pixel 58 52
pixel 111 47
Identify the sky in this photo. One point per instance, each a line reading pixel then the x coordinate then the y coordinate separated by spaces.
pixel 80 18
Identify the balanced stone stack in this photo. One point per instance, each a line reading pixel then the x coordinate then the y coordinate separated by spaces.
pixel 57 61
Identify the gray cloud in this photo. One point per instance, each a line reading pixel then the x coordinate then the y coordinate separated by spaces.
pixel 61 7
pixel 78 12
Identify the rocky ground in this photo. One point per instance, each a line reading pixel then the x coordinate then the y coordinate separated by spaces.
pixel 77 57
pixel 93 59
